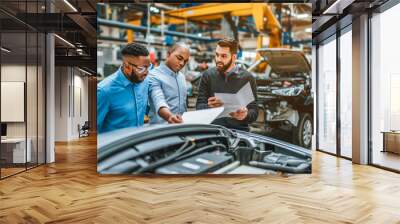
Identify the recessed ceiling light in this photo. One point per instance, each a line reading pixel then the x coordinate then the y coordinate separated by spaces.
pixel 70 5
pixel 86 72
pixel 337 7
pixel 5 49
pixel 64 40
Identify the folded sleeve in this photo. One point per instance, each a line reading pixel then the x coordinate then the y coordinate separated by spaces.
pixel 156 93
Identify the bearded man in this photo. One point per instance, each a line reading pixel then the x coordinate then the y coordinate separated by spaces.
pixel 122 97
pixel 226 77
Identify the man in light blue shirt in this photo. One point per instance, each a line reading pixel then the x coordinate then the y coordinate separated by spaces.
pixel 168 87
pixel 123 96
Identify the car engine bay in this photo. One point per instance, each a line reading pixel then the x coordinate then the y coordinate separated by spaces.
pixel 200 149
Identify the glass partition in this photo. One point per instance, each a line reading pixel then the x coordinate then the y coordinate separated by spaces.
pixel 385 89
pixel 346 94
pixel 22 88
pixel 15 151
pixel 327 96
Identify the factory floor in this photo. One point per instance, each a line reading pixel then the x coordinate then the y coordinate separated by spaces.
pixel 71 191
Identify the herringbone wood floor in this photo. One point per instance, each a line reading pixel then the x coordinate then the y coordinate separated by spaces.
pixel 70 191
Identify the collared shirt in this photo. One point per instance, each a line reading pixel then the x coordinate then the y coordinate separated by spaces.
pixel 121 103
pixel 167 89
pixel 233 71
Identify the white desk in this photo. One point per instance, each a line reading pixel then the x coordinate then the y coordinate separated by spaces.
pixel 18 149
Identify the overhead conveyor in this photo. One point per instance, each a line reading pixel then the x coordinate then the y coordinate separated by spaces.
pixel 123 25
pixel 264 19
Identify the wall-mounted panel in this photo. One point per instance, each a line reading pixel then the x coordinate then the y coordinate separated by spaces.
pixel 12 101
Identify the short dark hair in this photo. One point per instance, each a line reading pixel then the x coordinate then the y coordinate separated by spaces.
pixel 178 45
pixel 134 49
pixel 229 42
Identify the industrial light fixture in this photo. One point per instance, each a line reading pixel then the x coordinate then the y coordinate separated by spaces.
pixel 65 41
pixel 70 5
pixel 86 72
pixel 303 16
pixel 154 9
pixel 5 49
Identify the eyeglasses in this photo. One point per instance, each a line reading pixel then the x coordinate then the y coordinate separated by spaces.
pixel 139 69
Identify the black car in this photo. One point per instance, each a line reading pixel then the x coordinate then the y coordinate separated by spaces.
pixel 284 94
pixel 196 149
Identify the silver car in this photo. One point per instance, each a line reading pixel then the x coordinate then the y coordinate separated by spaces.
pixel 284 94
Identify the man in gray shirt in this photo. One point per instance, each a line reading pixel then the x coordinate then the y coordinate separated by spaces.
pixel 168 87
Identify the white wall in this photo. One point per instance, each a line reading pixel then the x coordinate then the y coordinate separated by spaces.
pixel 61 103
pixel 80 103
pixel 71 93
pixel 14 73
pixel 17 73
pixel 33 127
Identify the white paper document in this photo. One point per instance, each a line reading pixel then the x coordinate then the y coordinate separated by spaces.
pixel 232 102
pixel 205 116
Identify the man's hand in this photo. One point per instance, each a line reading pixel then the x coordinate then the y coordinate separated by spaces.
pixel 240 114
pixel 166 114
pixel 174 119
pixel 214 102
